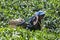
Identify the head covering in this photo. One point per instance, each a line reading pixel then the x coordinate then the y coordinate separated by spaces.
pixel 39 13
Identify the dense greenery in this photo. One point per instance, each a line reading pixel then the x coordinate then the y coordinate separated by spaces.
pixel 11 9
pixel 23 34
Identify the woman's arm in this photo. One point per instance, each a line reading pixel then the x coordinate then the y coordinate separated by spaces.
pixel 36 20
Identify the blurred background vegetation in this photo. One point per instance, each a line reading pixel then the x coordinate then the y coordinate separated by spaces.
pixel 11 9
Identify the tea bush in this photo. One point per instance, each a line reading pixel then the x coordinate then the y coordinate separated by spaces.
pixel 11 9
pixel 23 34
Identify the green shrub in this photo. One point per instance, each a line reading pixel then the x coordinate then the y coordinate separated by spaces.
pixel 11 9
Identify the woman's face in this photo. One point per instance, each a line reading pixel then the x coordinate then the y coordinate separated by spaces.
pixel 40 17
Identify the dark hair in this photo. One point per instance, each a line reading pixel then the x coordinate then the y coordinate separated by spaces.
pixel 42 15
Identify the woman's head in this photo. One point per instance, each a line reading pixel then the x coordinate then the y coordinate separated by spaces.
pixel 40 14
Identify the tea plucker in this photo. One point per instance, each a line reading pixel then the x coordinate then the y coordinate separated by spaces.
pixel 35 21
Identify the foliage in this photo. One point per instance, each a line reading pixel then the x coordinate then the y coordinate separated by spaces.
pixel 11 9
pixel 23 34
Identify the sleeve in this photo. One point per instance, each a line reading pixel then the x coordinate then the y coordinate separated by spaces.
pixel 33 20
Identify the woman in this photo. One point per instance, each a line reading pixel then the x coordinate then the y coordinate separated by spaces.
pixel 33 24
pixel 35 21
